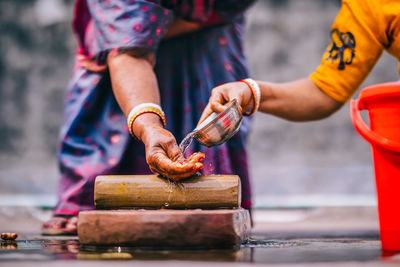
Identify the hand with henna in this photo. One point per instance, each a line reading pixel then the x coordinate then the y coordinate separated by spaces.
pixel 162 152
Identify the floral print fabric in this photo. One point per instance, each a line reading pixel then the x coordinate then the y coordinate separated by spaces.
pixel 94 136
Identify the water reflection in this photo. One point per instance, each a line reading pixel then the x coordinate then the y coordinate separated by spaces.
pixel 254 250
pixel 62 249
pixel 223 255
pixel 268 243
pixel 9 245
pixel 390 257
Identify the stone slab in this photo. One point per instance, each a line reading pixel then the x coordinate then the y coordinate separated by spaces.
pixel 165 228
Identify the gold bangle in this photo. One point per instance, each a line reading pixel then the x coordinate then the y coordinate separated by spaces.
pixel 144 110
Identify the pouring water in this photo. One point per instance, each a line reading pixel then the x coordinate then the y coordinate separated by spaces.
pixel 216 128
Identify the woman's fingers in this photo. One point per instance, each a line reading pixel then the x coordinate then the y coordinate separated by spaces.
pixel 216 103
pixel 219 97
pixel 90 65
pixel 174 170
pixel 196 157
pixel 165 157
pixel 163 153
pixel 197 166
pixel 206 112
pixel 165 166
pixel 172 149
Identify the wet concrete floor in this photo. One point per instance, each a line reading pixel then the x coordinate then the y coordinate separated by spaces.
pixel 302 237
pixel 41 250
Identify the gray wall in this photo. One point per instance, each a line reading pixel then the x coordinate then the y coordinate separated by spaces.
pixel 284 41
pixel 37 47
pixel 319 162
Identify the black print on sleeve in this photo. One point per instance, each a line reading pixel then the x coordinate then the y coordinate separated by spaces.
pixel 342 48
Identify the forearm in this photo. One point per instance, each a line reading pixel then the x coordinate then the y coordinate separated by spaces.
pixel 134 82
pixel 300 100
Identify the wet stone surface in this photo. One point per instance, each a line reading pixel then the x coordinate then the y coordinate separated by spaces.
pixel 41 249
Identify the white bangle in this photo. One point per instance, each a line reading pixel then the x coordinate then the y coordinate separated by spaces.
pixel 144 108
pixel 256 92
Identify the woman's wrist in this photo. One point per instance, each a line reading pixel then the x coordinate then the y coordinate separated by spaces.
pixel 144 115
pixel 255 96
pixel 145 124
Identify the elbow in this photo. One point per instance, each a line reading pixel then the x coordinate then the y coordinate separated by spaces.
pixel 326 109
pixel 315 112
pixel 118 56
pixel 326 112
pixel 324 106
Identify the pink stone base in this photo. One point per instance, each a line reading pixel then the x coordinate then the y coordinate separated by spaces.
pixel 164 228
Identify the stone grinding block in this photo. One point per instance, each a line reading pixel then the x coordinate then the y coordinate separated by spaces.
pixel 165 228
pixel 151 191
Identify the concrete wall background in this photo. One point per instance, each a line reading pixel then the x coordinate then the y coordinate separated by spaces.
pixel 37 46
pixel 284 41
pixel 324 161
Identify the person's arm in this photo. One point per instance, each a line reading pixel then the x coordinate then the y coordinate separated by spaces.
pixel 130 45
pixel 134 82
pixel 358 37
pixel 299 100
pixel 178 27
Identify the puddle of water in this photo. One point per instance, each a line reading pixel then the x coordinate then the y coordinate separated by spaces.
pixel 252 251
pixel 266 243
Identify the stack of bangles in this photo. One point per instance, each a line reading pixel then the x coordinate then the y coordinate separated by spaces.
pixel 255 90
pixel 142 109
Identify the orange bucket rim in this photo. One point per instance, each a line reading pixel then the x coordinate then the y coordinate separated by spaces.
pixel 378 92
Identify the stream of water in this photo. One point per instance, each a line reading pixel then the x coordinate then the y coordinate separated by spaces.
pixel 185 143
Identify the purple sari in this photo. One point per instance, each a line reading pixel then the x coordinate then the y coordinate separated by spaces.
pixel 94 136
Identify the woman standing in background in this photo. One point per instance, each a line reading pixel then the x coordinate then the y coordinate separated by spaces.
pixel 193 46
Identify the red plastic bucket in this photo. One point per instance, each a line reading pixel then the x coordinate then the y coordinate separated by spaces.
pixel 383 104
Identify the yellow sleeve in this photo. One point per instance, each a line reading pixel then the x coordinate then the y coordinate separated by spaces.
pixel 356 45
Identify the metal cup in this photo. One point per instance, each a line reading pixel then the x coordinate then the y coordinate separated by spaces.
pixel 219 127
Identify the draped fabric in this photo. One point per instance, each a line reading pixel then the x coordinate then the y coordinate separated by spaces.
pixel 94 136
